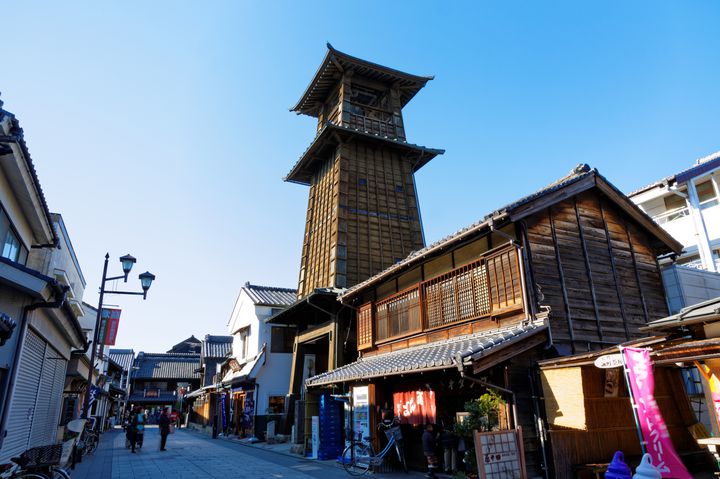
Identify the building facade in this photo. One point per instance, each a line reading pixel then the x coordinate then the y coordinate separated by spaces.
pixel 41 285
pixel 571 268
pixel 687 205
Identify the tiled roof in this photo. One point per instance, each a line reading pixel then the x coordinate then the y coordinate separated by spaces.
pixel 215 346
pixel 579 173
pixel 18 136
pixel 701 166
pixel 166 366
pixel 270 295
pixel 123 357
pixel 333 65
pixel 437 355
pixel 301 173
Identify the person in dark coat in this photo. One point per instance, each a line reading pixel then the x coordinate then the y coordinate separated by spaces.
pixel 136 429
pixel 164 423
pixel 429 444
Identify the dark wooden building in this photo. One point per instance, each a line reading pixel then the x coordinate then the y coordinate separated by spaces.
pixel 363 212
pixel 570 268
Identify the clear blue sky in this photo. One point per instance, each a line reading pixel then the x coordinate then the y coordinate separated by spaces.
pixel 162 128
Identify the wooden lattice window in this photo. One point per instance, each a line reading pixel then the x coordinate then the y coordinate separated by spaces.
pixel 398 314
pixel 365 326
pixel 504 277
pixel 458 295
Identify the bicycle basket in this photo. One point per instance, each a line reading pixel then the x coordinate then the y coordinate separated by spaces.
pixel 394 432
pixel 43 456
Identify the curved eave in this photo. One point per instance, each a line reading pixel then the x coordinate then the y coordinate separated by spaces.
pixel 330 136
pixel 336 62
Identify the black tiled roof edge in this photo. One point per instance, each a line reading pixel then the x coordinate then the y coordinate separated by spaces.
pixel 17 135
pixel 328 62
pixel 710 161
pixel 330 126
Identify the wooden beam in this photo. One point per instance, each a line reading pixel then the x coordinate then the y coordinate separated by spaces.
pixel 561 274
pixel 502 355
pixel 613 267
pixel 316 332
pixel 549 199
pixel 588 269
pixel 637 272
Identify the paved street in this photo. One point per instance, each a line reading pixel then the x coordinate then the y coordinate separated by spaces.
pixel 192 455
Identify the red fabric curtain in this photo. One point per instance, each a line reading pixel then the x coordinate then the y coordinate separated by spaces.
pixel 415 407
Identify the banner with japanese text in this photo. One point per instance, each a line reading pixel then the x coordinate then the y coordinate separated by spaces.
pixel 415 407
pixel 652 424
pixel 109 322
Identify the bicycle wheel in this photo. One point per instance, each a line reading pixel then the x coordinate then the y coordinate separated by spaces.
pixel 356 459
pixel 59 473
pixel 401 456
pixel 90 447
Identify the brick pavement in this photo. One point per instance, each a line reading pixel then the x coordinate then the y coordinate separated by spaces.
pixel 193 455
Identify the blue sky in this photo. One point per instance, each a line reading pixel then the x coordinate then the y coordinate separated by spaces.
pixel 162 128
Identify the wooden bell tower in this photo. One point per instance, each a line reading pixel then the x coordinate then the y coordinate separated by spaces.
pixel 363 213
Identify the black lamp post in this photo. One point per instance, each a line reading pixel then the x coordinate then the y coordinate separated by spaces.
pixel 146 280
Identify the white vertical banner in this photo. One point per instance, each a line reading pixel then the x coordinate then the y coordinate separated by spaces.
pixel 315 436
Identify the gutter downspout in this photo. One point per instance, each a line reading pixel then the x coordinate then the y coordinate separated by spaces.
pixel 60 294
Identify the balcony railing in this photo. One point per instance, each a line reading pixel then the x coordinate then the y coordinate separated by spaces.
pixel 488 287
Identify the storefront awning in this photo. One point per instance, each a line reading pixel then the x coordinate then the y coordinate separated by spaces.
pixel 199 392
pixel 458 351
pixel 247 372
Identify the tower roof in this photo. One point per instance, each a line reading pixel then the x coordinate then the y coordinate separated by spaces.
pixel 328 139
pixel 336 62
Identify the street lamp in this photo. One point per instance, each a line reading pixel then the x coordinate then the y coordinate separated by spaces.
pixel 146 280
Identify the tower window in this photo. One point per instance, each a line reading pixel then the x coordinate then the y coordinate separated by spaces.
pixel 362 181
pixel 398 188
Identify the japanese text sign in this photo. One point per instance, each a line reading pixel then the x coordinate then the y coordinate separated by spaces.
pixel 415 407
pixel 652 424
pixel 109 326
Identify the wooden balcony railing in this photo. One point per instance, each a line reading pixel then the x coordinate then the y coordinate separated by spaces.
pixel 487 287
pixel 370 125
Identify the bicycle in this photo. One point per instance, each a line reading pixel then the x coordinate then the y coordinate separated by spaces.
pixel 359 456
pixel 36 463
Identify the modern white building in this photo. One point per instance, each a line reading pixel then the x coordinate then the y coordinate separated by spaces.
pixel 687 205
pixel 257 375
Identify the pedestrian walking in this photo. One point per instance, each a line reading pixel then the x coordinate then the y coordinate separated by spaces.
pixel 165 427
pixel 137 428
pixel 449 442
pixel 429 445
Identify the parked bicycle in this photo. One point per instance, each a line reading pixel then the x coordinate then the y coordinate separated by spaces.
pixel 89 437
pixel 359 456
pixel 36 463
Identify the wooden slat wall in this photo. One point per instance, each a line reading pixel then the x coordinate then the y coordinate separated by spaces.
pixel 379 221
pixel 596 271
pixel 365 326
pixel 609 421
pixel 320 230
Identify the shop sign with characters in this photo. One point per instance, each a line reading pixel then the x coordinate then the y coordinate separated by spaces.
pixel 415 407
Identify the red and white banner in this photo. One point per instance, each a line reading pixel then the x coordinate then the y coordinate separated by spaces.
pixel 110 320
pixel 415 407
pixel 652 424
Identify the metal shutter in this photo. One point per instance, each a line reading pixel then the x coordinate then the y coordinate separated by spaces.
pixel 47 407
pixel 24 397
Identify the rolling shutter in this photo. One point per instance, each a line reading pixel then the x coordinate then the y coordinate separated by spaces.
pixel 47 407
pixel 24 397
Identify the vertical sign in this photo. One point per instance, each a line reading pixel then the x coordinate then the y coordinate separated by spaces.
pixel 651 422
pixel 109 322
pixel 361 412
pixel 315 436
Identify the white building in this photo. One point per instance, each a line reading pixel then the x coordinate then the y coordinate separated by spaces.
pixel 687 205
pixel 259 372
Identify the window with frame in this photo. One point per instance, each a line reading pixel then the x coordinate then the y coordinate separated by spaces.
pixel 276 404
pixel 282 339
pixel 244 336
pixel 12 247
pixel 706 194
